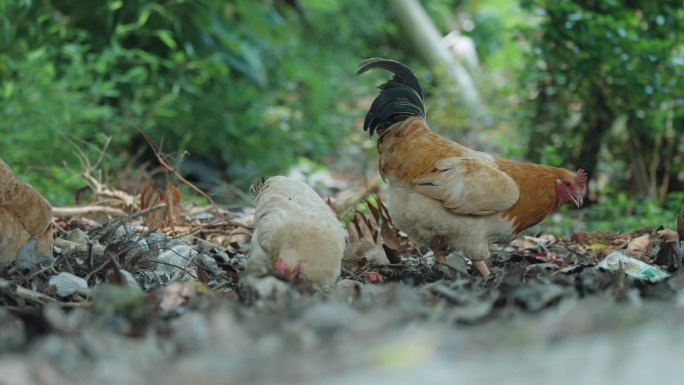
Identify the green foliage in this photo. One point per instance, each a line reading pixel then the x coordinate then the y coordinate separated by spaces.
pixel 594 63
pixel 48 86
pixel 247 86
pixel 252 87
pixel 617 213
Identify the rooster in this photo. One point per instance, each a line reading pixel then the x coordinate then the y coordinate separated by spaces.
pixel 296 234
pixel 449 197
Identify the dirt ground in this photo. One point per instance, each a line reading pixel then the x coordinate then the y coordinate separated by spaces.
pixel 122 304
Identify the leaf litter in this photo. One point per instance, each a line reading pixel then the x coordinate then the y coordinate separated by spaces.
pixel 157 295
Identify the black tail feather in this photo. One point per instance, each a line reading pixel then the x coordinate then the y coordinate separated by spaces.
pixel 399 98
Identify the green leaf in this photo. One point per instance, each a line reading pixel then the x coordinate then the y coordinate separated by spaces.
pixel 167 38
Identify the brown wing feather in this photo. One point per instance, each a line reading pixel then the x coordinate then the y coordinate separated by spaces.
pixel 465 181
pixel 468 186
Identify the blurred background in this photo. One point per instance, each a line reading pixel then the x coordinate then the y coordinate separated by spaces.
pixel 233 90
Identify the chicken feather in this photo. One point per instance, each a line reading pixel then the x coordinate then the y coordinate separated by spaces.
pixel 295 234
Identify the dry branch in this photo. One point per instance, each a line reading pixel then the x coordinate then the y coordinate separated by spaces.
pixel 165 164
pixel 24 293
pixel 84 210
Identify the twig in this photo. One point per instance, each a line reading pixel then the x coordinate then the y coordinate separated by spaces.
pixel 106 228
pixel 165 164
pixel 81 248
pixel 205 244
pixel 24 293
pixel 103 151
pixel 82 210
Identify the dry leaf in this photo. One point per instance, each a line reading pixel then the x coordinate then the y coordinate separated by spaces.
pixel 524 243
pixel 151 196
pixel 668 235
pixel 597 246
pixel 179 293
pixel 640 244
pixel 528 243
pixel 24 215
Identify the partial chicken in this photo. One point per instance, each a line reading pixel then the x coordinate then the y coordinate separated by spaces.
pixel 449 197
pixel 295 234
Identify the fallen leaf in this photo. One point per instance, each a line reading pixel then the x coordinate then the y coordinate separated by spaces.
pixel 24 215
pixel 179 293
pixel 640 244
pixel 151 196
pixel 597 246
pixel 524 243
pixel 668 235
pixel 550 239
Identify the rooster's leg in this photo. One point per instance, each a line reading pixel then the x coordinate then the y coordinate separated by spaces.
pixel 481 266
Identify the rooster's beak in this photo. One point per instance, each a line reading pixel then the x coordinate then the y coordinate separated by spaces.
pixel 577 200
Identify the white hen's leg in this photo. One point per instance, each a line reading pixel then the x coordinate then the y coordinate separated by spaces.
pixel 481 266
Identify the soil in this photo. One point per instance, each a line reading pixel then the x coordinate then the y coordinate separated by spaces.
pixel 121 304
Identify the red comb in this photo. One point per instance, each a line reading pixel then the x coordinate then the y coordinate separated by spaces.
pixel 282 267
pixel 581 178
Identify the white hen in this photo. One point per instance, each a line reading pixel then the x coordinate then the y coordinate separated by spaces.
pixel 295 234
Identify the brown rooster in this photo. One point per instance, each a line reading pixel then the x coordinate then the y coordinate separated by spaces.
pixel 449 197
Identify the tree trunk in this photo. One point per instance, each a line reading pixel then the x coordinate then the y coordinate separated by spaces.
pixel 600 119
pixel 417 26
pixel 539 136
pixel 637 157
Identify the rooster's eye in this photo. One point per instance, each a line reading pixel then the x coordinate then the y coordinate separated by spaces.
pixel 567 184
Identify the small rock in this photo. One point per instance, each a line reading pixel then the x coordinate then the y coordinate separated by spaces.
pixel 268 287
pixel 191 332
pixel 128 302
pixel 124 278
pixel 156 243
pixel 175 259
pixel 472 312
pixel 209 263
pixel 346 290
pixel 77 235
pixel 457 262
pixel 12 332
pixel 121 232
pixel 28 256
pixel 535 298
pixel 68 284
pixel 330 317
